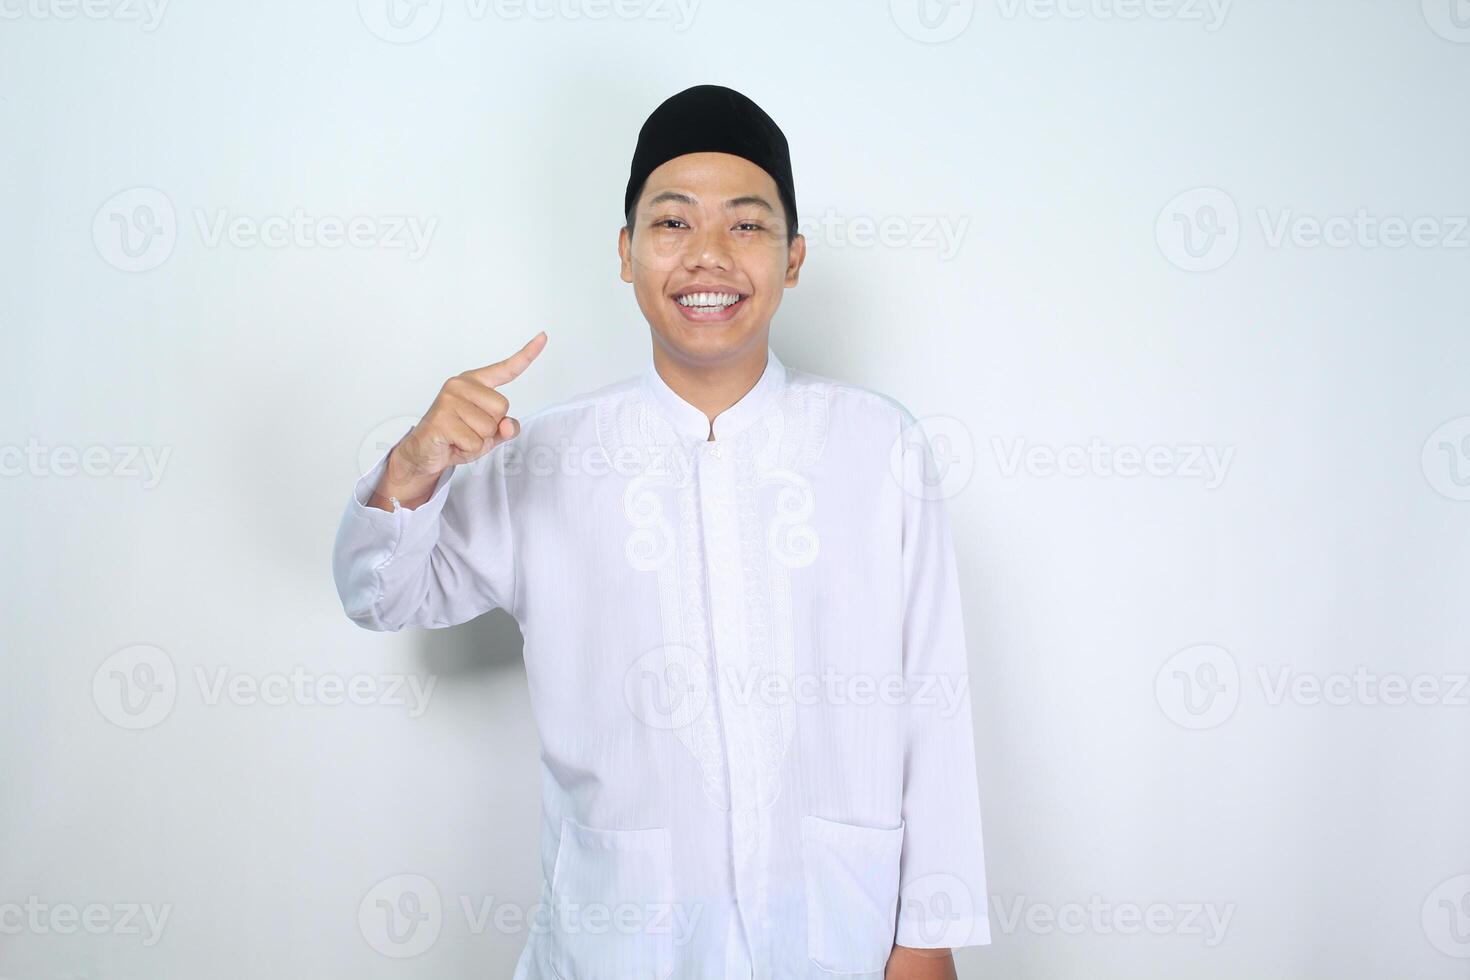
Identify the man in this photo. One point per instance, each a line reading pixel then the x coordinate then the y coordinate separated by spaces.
pixel 742 625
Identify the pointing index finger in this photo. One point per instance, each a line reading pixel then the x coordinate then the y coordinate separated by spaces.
pixel 503 372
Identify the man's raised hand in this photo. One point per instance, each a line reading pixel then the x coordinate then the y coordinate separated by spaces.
pixel 468 418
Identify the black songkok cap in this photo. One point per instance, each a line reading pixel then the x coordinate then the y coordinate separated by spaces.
pixel 713 119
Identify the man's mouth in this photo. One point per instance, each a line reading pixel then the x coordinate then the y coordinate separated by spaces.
pixel 706 306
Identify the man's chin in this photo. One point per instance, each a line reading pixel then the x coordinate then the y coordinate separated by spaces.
pixel 711 341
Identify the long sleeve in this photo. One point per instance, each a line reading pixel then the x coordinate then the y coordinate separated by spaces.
pixel 444 563
pixel 943 898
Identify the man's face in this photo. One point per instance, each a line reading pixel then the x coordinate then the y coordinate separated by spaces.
pixel 709 223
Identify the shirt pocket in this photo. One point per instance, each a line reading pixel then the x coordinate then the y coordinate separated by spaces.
pixel 612 904
pixel 851 894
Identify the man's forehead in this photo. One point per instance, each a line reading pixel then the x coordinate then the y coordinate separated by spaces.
pixel 709 165
pixel 697 178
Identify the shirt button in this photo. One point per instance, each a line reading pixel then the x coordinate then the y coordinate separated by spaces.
pixel 714 451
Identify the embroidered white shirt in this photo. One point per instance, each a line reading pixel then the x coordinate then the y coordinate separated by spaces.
pixel 746 665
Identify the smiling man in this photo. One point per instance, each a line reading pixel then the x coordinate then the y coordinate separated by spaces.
pixel 738 593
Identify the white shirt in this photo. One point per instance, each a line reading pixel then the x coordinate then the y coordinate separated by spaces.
pixel 747 670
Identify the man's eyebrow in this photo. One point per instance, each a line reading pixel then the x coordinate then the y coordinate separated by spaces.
pixel 674 196
pixel 749 199
pixel 734 202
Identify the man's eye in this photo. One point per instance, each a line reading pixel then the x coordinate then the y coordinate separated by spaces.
pixel 664 223
pixel 750 225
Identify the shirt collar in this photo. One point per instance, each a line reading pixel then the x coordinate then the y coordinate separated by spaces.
pixel 692 423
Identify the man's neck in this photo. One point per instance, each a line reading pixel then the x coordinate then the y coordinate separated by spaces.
pixel 714 387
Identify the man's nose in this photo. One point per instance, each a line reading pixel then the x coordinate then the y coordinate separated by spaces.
pixel 709 249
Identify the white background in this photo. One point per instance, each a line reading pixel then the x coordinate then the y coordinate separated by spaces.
pixel 1069 315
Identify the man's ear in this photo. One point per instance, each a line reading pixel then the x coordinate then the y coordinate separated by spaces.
pixel 625 254
pixel 795 256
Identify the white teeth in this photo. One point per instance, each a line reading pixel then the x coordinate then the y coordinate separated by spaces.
pixel 708 301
